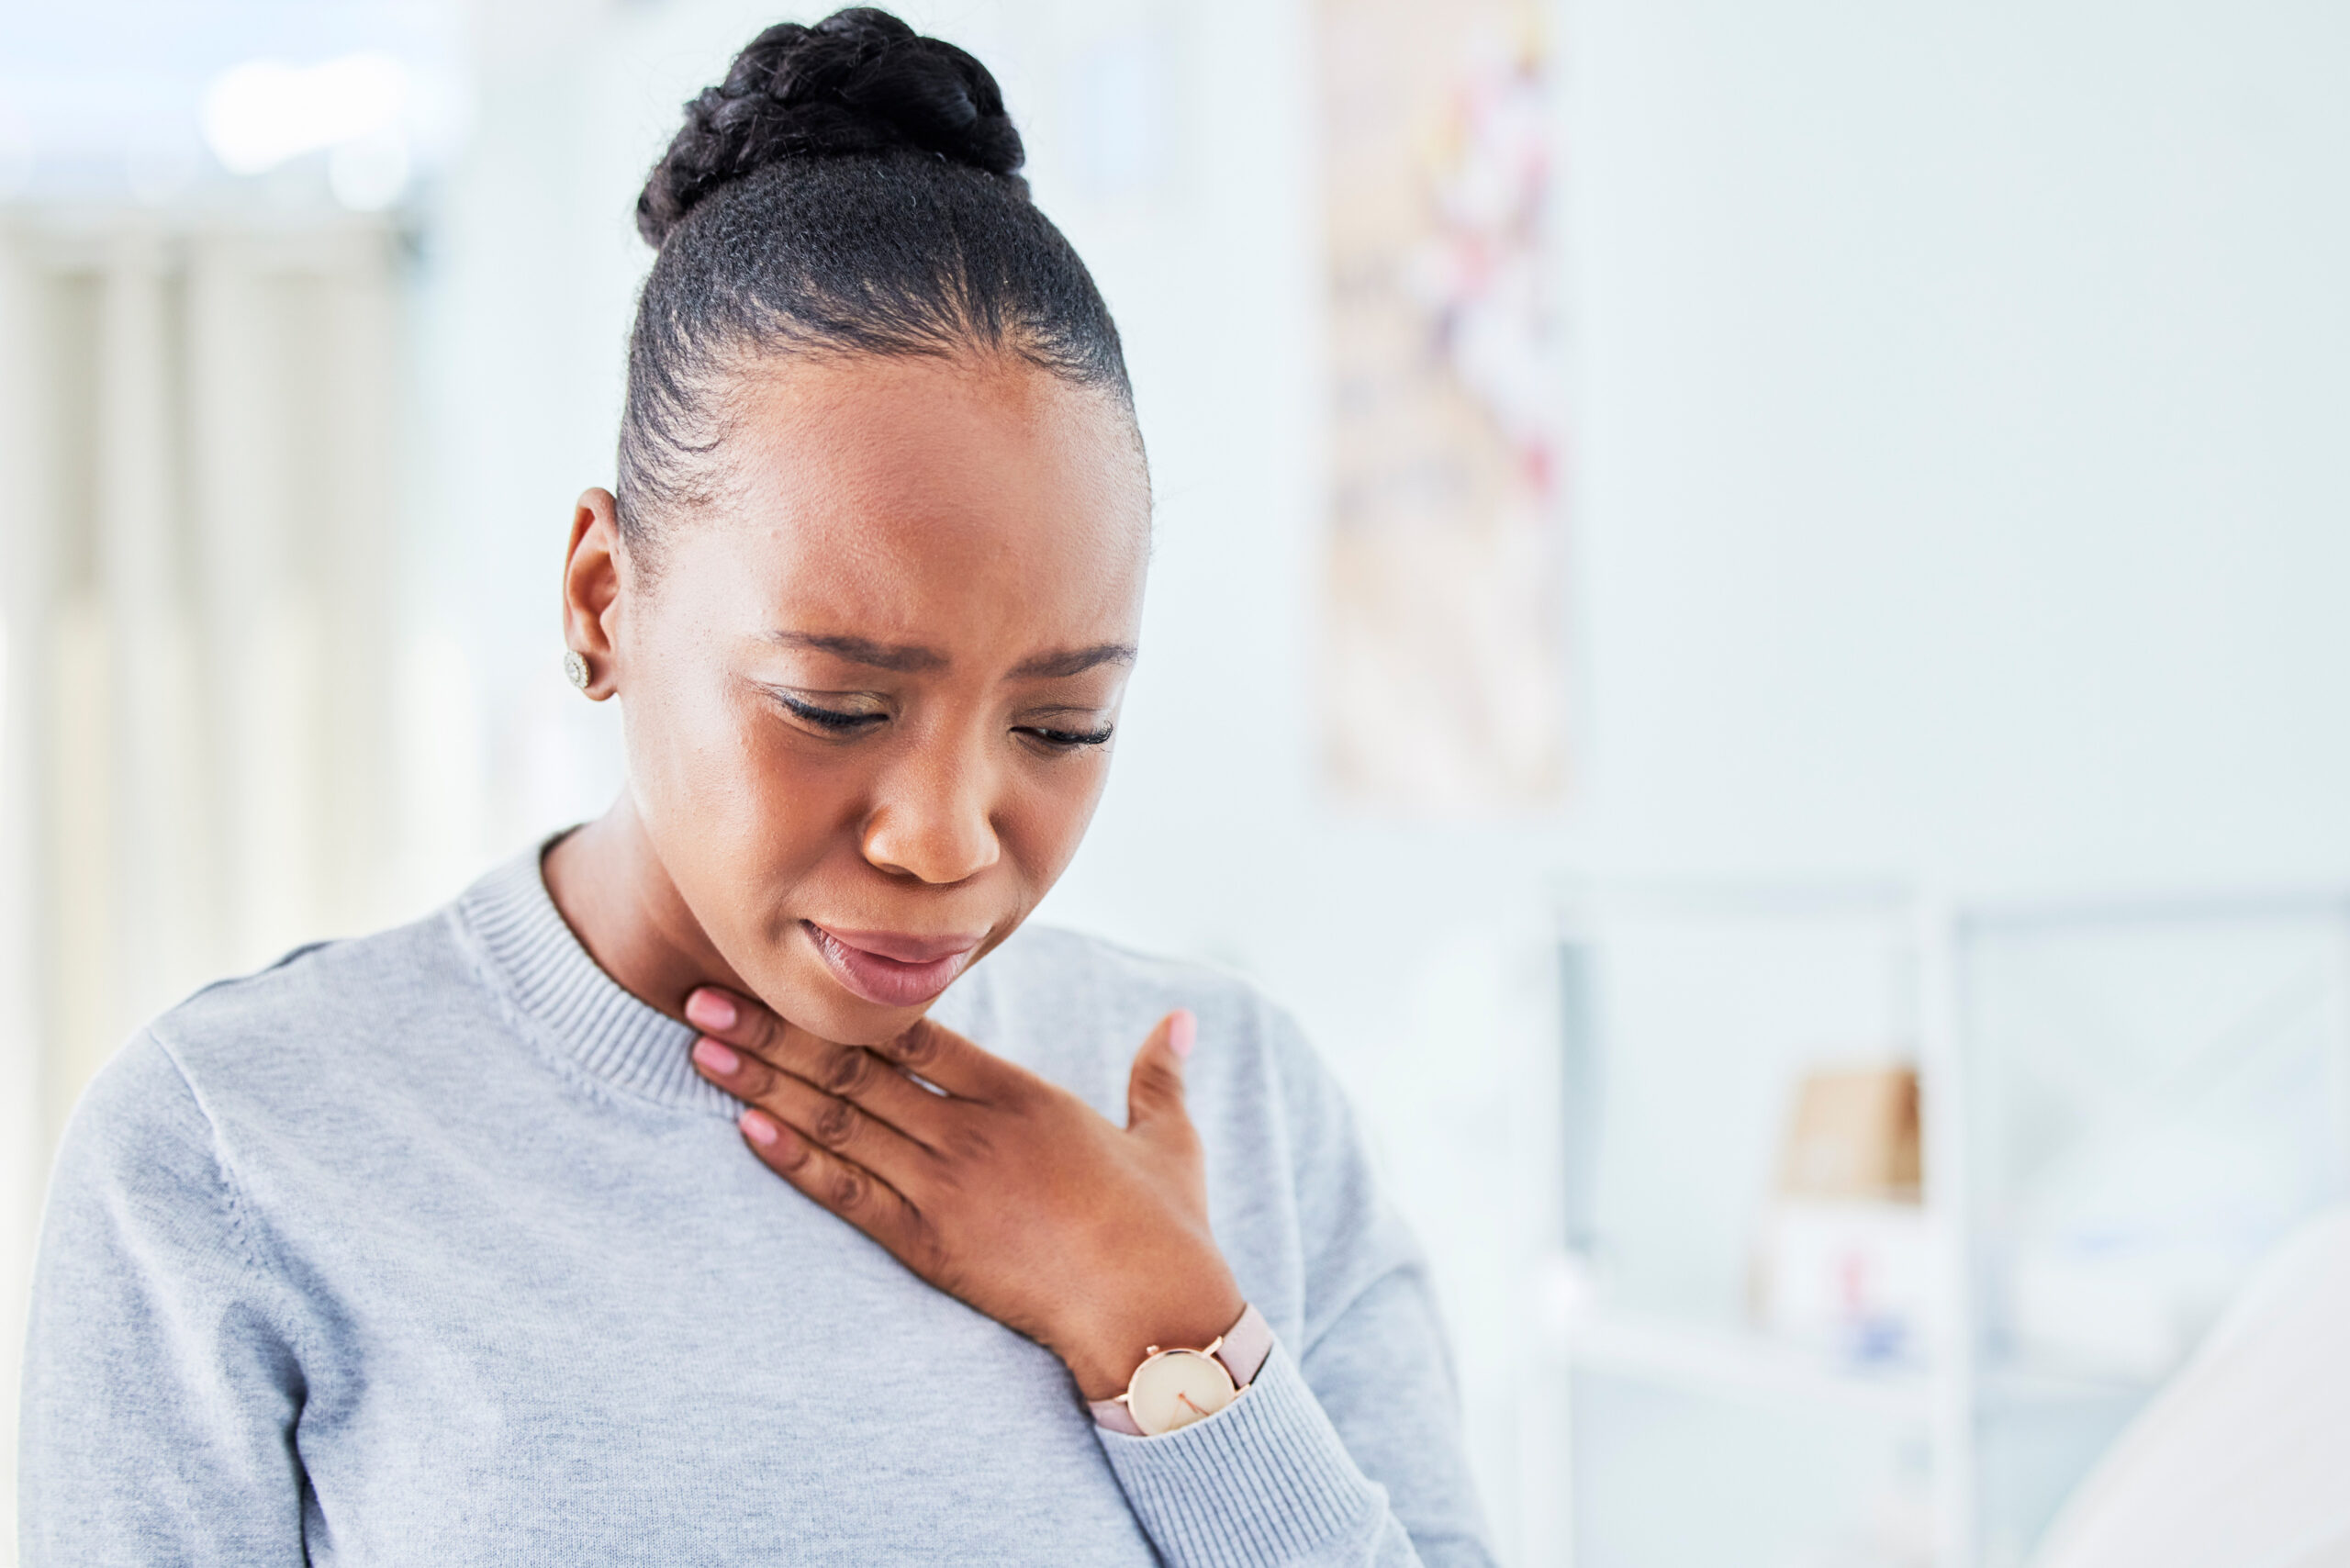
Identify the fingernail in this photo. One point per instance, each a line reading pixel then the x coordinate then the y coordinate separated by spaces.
pixel 1184 1032
pixel 709 1009
pixel 759 1129
pixel 717 1057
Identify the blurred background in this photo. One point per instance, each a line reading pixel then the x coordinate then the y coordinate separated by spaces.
pixel 1747 623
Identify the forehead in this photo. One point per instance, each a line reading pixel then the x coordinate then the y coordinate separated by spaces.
pixel 898 496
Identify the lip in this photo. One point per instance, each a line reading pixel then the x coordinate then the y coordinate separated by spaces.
pixel 892 968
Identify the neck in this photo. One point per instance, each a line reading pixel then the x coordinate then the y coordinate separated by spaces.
pixel 611 889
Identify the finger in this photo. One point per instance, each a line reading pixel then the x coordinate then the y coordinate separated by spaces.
pixel 1154 1087
pixel 849 1072
pixel 825 1120
pixel 843 1186
pixel 937 1054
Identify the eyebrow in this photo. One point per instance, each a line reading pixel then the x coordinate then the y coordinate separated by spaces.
pixel 1066 662
pixel 1060 664
pixel 862 651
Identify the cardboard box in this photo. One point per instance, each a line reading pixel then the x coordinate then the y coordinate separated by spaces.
pixel 1843 1259
pixel 1854 1137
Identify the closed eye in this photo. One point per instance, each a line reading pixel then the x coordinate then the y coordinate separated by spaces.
pixel 1068 740
pixel 832 719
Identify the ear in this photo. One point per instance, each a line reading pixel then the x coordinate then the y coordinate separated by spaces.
pixel 592 590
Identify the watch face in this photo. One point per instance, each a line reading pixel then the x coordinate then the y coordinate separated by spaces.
pixel 1175 1388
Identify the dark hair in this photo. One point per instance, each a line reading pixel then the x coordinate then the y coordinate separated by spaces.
pixel 851 188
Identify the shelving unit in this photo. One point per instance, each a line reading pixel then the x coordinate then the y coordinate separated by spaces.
pixel 1688 1009
pixel 1721 1361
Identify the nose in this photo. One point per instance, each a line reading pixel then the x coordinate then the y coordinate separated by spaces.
pixel 933 819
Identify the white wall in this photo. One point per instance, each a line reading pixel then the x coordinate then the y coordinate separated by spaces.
pixel 1958 394
pixel 1961 393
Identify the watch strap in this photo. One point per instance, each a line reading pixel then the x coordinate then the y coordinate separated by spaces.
pixel 1242 1349
pixel 1246 1345
pixel 1113 1414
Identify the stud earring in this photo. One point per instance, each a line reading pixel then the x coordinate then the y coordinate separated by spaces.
pixel 575 668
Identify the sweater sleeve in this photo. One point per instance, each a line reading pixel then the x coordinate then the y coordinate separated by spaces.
pixel 1346 1447
pixel 159 1395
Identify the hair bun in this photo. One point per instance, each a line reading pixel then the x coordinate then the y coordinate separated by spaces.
pixel 858 81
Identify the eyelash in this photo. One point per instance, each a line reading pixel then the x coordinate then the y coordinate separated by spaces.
pixel 828 718
pixel 841 723
pixel 1069 740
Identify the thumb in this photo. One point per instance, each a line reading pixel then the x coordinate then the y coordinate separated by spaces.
pixel 1154 1089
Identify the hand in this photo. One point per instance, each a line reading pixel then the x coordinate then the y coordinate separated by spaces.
pixel 1009 1193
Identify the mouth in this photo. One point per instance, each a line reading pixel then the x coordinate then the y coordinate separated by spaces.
pixel 892 968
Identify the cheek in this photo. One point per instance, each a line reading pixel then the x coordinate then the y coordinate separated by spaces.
pixel 688 748
pixel 731 803
pixel 1043 819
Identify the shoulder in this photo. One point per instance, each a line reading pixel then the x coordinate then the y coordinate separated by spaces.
pixel 1296 1200
pixel 138 1117
pixel 390 980
pixel 1099 999
pixel 317 1026
pixel 1048 976
pixel 1053 959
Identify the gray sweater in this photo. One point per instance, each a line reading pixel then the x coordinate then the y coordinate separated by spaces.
pixel 432 1248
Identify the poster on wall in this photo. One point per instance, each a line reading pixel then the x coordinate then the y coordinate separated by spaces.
pixel 1443 636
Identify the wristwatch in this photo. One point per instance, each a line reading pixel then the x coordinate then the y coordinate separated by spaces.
pixel 1172 1389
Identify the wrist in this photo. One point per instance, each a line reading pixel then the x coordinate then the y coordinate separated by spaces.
pixel 1180 1385
pixel 1104 1359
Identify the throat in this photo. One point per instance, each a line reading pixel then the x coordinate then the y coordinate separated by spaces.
pixel 613 891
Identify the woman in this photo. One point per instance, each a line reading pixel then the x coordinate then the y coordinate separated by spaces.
pixel 437 1247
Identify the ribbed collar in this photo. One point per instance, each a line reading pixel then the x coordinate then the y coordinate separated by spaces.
pixel 583 1012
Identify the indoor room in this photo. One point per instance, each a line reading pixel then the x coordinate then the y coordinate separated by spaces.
pixel 1724 900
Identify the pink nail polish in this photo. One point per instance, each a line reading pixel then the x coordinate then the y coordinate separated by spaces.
pixel 717 1057
pixel 759 1129
pixel 710 1010
pixel 1184 1032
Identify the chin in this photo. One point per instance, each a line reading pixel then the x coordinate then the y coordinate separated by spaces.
pixel 806 996
pixel 851 1021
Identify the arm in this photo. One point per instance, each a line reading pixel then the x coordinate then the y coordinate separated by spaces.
pixel 1018 1199
pixel 1373 1423
pixel 159 1397
pixel 1350 1457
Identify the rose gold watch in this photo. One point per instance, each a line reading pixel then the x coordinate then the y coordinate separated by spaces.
pixel 1172 1389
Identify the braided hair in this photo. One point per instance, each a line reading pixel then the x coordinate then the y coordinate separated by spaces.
pixel 850 188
